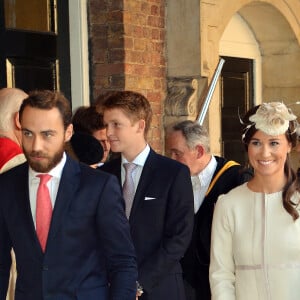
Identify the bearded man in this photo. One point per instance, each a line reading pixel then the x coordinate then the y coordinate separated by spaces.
pixel 64 220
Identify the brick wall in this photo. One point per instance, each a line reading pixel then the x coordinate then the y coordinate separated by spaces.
pixel 127 52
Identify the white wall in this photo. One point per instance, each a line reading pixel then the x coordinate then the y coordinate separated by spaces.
pixel 238 41
pixel 80 89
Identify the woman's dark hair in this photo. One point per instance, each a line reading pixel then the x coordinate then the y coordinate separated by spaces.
pixel 292 184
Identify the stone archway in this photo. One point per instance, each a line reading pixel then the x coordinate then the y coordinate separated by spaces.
pixel 276 27
pixel 265 17
pixel 194 31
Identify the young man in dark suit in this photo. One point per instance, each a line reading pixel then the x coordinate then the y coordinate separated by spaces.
pixel 70 236
pixel 188 143
pixel 160 209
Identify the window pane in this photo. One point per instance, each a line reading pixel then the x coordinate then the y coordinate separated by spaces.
pixel 36 15
pixel 29 74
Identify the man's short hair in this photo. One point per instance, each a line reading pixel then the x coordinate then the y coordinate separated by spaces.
pixel 46 99
pixel 10 102
pixel 134 105
pixel 193 133
pixel 87 119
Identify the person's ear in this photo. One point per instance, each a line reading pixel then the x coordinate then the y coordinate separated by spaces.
pixel 68 132
pixel 17 120
pixel 141 125
pixel 200 151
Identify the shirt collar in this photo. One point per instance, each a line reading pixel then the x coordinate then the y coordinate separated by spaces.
pixel 55 172
pixel 206 174
pixel 141 158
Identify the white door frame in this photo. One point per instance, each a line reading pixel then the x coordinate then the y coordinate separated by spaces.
pixel 80 89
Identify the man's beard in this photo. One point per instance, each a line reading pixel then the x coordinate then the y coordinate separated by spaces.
pixel 47 164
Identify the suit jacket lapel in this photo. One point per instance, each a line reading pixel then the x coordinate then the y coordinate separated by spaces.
pixel 206 211
pixel 68 185
pixel 25 207
pixel 145 180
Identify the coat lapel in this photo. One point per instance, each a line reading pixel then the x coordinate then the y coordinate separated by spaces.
pixel 68 185
pixel 205 213
pixel 25 208
pixel 145 180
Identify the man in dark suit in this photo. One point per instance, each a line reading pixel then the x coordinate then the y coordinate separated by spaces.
pixel 160 211
pixel 188 143
pixel 87 253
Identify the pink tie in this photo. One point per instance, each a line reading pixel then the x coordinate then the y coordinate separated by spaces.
pixel 128 187
pixel 43 210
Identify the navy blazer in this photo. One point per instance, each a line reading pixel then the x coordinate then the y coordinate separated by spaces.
pixel 89 245
pixel 161 223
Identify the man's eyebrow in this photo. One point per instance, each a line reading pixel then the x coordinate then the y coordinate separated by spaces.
pixel 48 130
pixel 25 129
pixel 43 131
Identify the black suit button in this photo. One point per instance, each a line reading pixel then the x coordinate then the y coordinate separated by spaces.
pixel 45 268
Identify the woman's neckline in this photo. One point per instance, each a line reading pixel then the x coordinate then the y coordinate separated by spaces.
pixel 261 191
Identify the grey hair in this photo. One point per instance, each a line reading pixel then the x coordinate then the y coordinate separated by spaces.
pixel 193 133
pixel 10 102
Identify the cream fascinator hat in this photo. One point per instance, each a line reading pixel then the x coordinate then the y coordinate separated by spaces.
pixel 272 118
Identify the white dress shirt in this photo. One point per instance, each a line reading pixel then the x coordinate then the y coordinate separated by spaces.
pixel 52 184
pixel 140 162
pixel 201 183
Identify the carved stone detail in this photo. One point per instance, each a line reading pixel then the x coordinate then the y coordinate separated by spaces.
pixel 183 96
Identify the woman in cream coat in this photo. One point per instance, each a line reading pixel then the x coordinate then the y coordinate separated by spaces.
pixel 255 252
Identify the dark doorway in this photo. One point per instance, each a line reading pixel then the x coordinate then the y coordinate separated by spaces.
pixel 34 49
pixel 236 99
